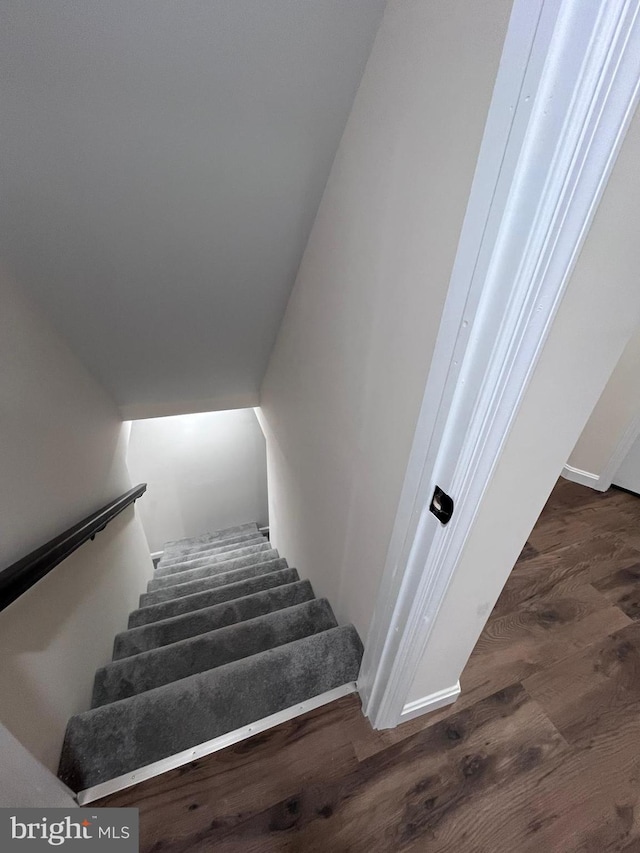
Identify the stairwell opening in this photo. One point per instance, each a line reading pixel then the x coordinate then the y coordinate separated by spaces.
pixel 228 639
pixel 205 471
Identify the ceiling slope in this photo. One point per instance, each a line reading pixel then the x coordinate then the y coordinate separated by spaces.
pixel 161 166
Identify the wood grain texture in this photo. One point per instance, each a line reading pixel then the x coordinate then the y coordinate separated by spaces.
pixel 541 751
pixel 425 788
pixel 564 570
pixel 622 588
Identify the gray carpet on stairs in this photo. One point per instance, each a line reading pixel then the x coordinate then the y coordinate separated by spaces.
pixel 180 546
pixel 165 609
pixel 217 568
pixel 244 542
pixel 114 739
pixel 154 668
pixel 215 548
pixel 210 582
pixel 176 628
pixel 224 556
pixel 225 635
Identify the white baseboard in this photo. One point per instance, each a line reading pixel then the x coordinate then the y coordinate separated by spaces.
pixel 430 703
pixel 584 478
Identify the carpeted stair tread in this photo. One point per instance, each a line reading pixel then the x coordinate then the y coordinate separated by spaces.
pixel 177 606
pixel 223 557
pixel 114 739
pixel 200 584
pixel 233 545
pixel 168 559
pixel 223 542
pixel 157 667
pixel 225 635
pixel 177 546
pixel 217 567
pixel 213 535
pixel 166 631
pixel 213 570
pixel 203 558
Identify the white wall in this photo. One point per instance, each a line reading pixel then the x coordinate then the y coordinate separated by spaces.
pixel 341 396
pixel 616 411
pixel 205 471
pixel 628 474
pixel 602 304
pixel 24 782
pixel 62 456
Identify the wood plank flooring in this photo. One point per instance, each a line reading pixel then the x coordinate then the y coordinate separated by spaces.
pixel 540 753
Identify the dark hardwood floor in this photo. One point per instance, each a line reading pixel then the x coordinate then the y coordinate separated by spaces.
pixel 540 753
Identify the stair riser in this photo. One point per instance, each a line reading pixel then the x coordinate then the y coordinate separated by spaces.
pixel 223 557
pixel 146 615
pixel 123 736
pixel 158 634
pixel 162 666
pixel 202 584
pixel 210 569
pixel 234 544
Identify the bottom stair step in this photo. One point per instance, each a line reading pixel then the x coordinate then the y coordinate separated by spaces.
pixel 114 739
pixel 142 672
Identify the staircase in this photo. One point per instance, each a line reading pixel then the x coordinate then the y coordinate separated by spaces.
pixel 225 635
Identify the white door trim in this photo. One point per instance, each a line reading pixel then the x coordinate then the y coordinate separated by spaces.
pixel 556 123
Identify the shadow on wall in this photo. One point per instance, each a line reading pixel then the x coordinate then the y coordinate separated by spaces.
pixel 204 472
pixel 56 634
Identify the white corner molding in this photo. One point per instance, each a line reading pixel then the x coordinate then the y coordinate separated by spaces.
pixel 584 478
pixel 566 90
pixel 430 703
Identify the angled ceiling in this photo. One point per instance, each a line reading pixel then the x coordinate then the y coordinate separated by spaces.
pixel 161 164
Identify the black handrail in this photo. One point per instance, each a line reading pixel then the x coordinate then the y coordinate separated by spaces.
pixel 20 576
